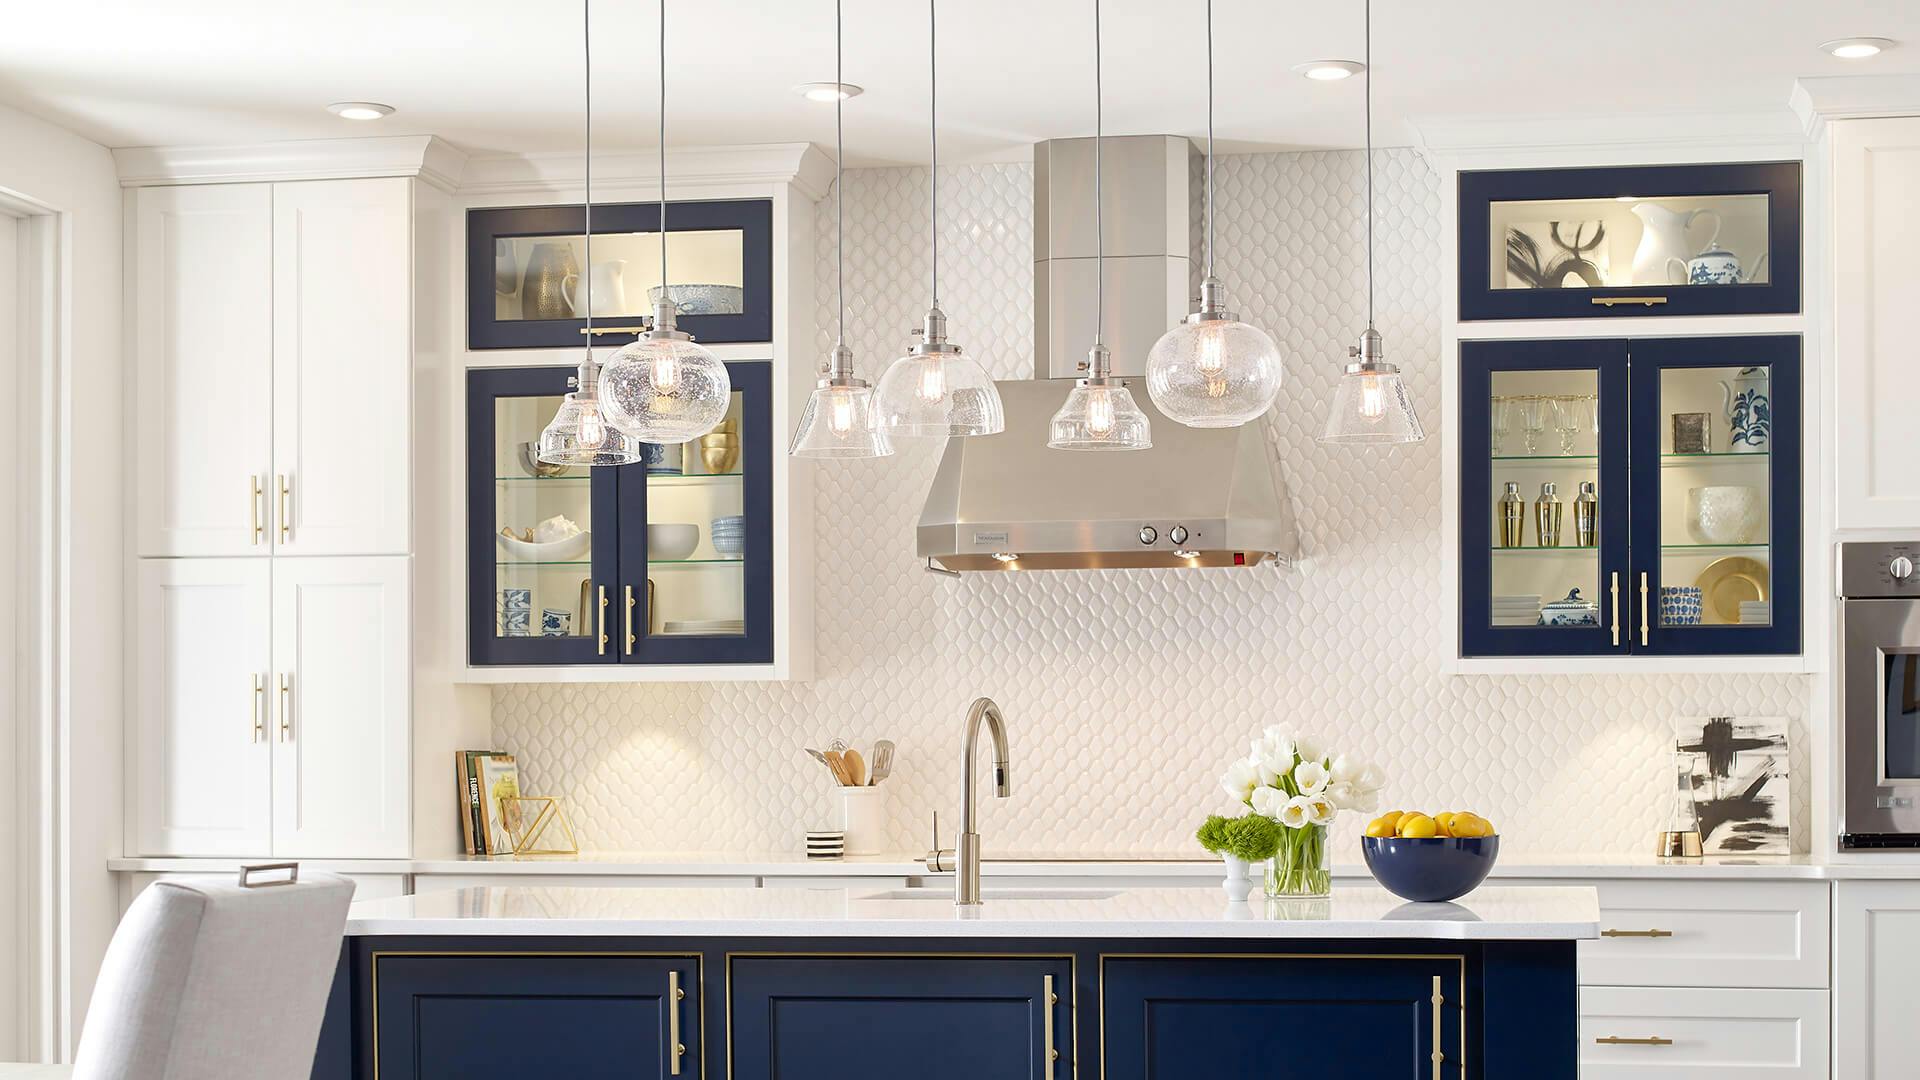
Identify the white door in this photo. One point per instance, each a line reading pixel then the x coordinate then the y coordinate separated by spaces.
pixel 342 364
pixel 1876 979
pixel 203 368
pixel 341 663
pixel 199 766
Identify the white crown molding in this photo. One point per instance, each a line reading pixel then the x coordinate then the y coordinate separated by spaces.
pixel 803 165
pixel 427 157
pixel 1820 99
pixel 1467 135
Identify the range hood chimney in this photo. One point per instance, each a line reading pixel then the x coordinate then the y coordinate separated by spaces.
pixel 1199 497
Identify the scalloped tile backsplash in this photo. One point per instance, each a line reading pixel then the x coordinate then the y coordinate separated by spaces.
pixel 1126 692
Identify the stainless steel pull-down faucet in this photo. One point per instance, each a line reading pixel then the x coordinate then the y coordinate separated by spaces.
pixel 966 885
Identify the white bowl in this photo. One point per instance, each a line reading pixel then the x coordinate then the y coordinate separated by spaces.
pixel 671 541
pixel 1725 514
pixel 551 551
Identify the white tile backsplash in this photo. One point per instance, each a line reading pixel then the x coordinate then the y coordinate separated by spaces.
pixel 1126 692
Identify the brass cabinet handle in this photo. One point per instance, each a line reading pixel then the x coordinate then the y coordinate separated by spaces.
pixel 1614 588
pixel 286 523
pixel 1616 1040
pixel 1643 607
pixel 600 627
pixel 1637 933
pixel 1050 999
pixel 1643 301
pixel 628 590
pixel 286 708
pixel 1439 999
pixel 675 995
pixel 259 707
pixel 259 532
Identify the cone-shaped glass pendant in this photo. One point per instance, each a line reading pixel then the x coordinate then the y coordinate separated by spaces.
pixel 1370 405
pixel 839 420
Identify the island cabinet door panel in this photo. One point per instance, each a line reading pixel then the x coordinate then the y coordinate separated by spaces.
pixel 535 1017
pixel 1364 1018
pixel 882 1018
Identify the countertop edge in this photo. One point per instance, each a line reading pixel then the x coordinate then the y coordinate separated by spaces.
pixel 960 928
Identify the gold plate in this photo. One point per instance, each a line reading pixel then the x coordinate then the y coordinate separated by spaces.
pixel 1726 582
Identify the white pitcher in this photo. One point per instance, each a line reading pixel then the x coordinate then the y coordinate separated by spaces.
pixel 609 289
pixel 1664 237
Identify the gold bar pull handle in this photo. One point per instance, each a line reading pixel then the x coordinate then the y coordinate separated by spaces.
pixel 1643 301
pixel 259 707
pixel 1637 933
pixel 628 591
pixel 1616 1040
pixel 286 522
pixel 1643 607
pixel 1614 588
pixel 259 532
pixel 600 625
pixel 1048 1000
pixel 598 330
pixel 675 996
pixel 286 708
pixel 1439 999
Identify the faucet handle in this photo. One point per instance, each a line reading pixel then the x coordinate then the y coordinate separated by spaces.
pixel 939 860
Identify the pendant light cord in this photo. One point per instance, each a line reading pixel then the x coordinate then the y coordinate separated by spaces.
pixel 933 141
pixel 1368 61
pixel 1099 195
pixel 665 293
pixel 839 190
pixel 586 31
pixel 1209 272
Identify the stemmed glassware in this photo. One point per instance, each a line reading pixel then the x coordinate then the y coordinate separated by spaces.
pixel 1572 416
pixel 1502 420
pixel 1533 420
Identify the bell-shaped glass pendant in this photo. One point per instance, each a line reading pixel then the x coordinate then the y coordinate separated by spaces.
pixel 938 395
pixel 580 435
pixel 1099 416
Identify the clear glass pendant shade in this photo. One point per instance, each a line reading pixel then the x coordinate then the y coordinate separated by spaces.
pixel 665 390
pixel 1372 407
pixel 937 395
pixel 839 422
pixel 1099 418
pixel 580 435
pixel 1210 373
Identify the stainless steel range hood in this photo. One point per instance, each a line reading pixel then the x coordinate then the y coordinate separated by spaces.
pixel 1198 498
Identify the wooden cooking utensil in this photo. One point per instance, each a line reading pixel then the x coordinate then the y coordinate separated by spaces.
pixel 839 766
pixel 856 768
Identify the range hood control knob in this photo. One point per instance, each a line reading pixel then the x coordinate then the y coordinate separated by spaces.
pixel 1901 568
pixel 1177 534
pixel 1148 534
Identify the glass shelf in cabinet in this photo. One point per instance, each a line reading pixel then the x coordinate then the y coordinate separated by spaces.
pixel 1717 457
pixel 1565 550
pixel 542 479
pixel 1716 547
pixel 696 562
pixel 538 562
pixel 683 480
pixel 1546 457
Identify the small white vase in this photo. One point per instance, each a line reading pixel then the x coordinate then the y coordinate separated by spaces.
pixel 1239 880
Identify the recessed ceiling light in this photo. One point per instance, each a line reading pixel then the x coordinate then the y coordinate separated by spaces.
pixel 827 91
pixel 360 110
pixel 1857 48
pixel 1330 70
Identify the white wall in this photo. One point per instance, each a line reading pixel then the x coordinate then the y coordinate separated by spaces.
pixel 1126 692
pixel 75 180
pixel 10 927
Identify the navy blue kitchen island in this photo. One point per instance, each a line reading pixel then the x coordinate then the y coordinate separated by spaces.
pixel 844 985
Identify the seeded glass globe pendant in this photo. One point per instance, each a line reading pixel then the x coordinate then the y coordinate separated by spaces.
pixel 579 433
pixel 936 391
pixel 839 419
pixel 1212 370
pixel 1370 405
pixel 1099 413
pixel 663 388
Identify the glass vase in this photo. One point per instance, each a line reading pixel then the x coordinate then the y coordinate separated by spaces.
pixel 1299 869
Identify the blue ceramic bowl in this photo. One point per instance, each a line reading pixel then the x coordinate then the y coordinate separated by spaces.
pixel 1433 869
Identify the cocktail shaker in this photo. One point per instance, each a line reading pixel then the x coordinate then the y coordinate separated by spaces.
pixel 1547 513
pixel 1586 516
pixel 1512 517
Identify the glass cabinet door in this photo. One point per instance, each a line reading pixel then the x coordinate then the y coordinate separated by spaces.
pixel 696 548
pixel 1717 471
pixel 540 567
pixel 1648 240
pixel 1544 494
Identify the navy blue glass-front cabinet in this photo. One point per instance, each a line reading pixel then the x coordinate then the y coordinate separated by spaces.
pixel 451 1017
pixel 881 1018
pixel 1630 497
pixel 666 561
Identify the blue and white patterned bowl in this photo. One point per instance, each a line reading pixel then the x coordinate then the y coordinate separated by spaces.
pixel 1679 605
pixel 694 299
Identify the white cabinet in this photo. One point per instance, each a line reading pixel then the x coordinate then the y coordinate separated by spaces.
pixel 1694 1034
pixel 273 359
pixel 271 708
pixel 1876 220
pixel 1876 967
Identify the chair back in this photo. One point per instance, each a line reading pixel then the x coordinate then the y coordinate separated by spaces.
pixel 214 981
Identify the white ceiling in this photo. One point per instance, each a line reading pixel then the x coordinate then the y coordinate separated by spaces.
pixel 504 75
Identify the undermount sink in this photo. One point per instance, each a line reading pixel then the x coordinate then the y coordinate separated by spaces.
pixel 996 894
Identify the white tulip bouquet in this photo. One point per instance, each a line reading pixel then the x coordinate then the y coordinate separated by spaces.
pixel 1294 780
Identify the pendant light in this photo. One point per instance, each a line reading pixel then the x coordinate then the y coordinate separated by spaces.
pixel 935 390
pixel 1099 413
pixel 579 434
pixel 839 420
pixel 1212 370
pixel 663 388
pixel 1370 404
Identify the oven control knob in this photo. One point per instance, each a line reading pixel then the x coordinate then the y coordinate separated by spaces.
pixel 1901 568
pixel 1177 534
pixel 1148 534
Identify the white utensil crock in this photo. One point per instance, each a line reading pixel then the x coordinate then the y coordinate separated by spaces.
pixel 862 816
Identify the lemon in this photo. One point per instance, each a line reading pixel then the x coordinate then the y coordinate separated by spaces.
pixel 1380 827
pixel 1418 826
pixel 1392 819
pixel 1471 825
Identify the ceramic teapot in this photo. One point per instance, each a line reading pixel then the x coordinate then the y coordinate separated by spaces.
pixel 1715 266
pixel 1748 409
pixel 1664 239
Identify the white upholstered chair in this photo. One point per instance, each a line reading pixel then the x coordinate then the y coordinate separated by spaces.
pixel 212 981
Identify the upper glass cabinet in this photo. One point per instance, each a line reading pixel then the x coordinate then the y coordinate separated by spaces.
pixel 528 282
pixel 1640 240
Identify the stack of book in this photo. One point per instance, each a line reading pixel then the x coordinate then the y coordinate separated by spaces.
pixel 485 776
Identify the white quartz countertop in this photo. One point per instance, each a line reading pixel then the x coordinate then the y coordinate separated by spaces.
pixel 1493 914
